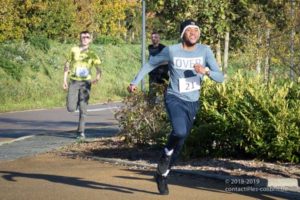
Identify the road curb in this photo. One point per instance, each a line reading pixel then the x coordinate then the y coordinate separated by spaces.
pixel 284 187
pixel 15 140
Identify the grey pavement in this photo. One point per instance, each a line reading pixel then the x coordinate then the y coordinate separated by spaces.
pixel 32 132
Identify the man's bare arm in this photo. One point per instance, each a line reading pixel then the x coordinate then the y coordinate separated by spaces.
pixel 66 72
pixel 98 74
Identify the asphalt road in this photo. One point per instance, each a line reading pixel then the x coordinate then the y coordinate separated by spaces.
pixel 28 133
pixel 25 173
pixel 51 177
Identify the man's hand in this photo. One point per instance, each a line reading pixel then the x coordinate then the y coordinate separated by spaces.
pixel 95 81
pixel 131 88
pixel 200 69
pixel 66 71
pixel 65 85
pixel 98 75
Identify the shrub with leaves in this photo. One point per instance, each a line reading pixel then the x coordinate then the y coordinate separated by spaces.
pixel 40 42
pixel 105 39
pixel 241 118
pixel 245 117
pixel 13 57
pixel 142 123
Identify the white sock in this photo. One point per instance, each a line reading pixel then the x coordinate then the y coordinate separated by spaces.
pixel 166 173
pixel 169 152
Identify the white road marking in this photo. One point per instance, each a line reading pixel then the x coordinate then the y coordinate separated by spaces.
pixel 18 139
pixel 100 109
pixel 42 109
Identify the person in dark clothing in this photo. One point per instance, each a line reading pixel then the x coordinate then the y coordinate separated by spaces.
pixel 159 75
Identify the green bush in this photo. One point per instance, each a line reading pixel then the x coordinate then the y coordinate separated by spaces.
pixel 39 41
pixel 142 123
pixel 12 58
pixel 241 118
pixel 11 68
pixel 244 117
pixel 105 39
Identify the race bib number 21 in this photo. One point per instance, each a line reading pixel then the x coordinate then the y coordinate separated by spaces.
pixel 189 84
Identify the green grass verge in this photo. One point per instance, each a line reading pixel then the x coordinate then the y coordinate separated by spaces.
pixel 40 85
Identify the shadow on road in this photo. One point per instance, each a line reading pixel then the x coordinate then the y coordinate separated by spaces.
pixel 116 149
pixel 188 181
pixel 151 154
pixel 75 181
pixel 201 183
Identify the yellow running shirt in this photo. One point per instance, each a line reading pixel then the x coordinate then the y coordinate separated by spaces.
pixel 81 63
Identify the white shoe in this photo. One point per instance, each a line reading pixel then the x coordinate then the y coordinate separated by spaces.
pixel 81 135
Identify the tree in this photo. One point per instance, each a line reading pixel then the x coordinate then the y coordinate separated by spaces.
pixel 59 22
pixel 214 17
pixel 108 16
pixel 10 26
pixel 133 21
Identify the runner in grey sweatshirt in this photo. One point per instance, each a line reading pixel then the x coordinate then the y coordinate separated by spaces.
pixel 188 63
pixel 184 80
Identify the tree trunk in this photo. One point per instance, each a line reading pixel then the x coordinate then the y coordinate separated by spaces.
pixel 218 53
pixel 267 59
pixel 132 38
pixel 226 50
pixel 292 41
pixel 258 52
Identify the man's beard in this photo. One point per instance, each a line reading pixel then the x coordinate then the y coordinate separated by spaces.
pixel 189 44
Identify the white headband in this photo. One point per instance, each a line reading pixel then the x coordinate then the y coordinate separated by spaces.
pixel 189 26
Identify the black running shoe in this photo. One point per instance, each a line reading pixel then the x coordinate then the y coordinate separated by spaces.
pixel 162 184
pixel 163 164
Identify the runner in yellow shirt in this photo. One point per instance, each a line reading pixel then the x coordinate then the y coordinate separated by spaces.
pixel 78 67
